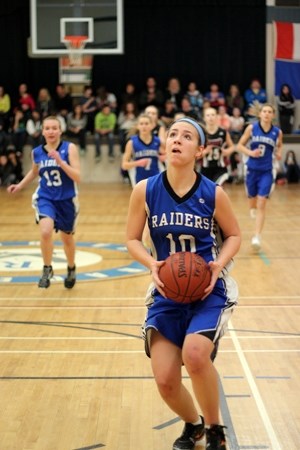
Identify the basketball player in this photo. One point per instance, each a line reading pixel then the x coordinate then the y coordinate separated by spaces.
pixel 265 144
pixel 55 199
pixel 186 211
pixel 219 145
pixel 143 152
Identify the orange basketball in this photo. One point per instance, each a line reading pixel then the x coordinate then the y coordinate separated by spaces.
pixel 185 276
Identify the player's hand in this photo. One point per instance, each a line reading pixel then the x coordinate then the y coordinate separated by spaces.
pixel 13 188
pixel 215 269
pixel 156 265
pixel 55 155
pixel 144 162
pixel 256 153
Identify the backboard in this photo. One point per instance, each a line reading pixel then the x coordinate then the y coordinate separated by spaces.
pixel 52 20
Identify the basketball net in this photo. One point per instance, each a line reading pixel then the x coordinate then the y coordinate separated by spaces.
pixel 74 44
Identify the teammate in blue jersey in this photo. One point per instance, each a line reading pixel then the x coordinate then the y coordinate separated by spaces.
pixel 265 144
pixel 143 154
pixel 186 211
pixel 55 199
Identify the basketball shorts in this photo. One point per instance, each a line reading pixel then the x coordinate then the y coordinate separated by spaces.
pixel 175 321
pixel 259 183
pixel 63 212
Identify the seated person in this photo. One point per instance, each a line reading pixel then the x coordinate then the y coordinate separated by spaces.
pixel 105 123
pixel 76 126
pixel 34 129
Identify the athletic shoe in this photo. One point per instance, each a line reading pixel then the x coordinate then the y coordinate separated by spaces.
pixel 255 243
pixel 253 213
pixel 46 276
pixel 70 280
pixel 191 434
pixel 215 438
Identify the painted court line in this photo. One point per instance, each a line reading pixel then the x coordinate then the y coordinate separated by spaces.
pixel 255 392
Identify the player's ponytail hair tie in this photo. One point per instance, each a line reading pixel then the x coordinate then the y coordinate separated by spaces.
pixel 195 125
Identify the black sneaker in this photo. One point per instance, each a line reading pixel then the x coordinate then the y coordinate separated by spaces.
pixel 46 275
pixel 190 435
pixel 215 438
pixel 70 280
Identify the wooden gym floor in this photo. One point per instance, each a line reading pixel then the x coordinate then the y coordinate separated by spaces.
pixel 73 372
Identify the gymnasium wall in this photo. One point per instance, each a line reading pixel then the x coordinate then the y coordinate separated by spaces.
pixel 203 40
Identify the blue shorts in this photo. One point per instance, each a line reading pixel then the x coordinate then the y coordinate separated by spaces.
pixel 208 317
pixel 63 212
pixel 259 183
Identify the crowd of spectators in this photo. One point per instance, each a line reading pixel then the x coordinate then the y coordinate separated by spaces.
pixel 105 116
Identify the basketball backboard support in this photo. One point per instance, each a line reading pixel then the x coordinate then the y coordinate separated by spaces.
pixel 52 20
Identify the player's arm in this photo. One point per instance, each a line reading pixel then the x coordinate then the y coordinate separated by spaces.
pixel 29 177
pixel 72 169
pixel 136 220
pixel 227 221
pixel 278 152
pixel 241 145
pixel 128 162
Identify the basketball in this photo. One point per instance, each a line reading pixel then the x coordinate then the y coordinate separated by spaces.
pixel 185 276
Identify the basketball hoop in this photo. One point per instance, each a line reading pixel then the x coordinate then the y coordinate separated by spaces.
pixel 74 44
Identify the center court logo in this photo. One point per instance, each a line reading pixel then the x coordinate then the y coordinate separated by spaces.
pixel 24 257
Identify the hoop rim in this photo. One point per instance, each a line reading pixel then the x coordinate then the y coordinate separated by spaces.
pixel 75 41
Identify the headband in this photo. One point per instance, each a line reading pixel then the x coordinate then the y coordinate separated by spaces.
pixel 195 125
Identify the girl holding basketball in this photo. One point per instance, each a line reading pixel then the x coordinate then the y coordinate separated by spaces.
pixel 185 211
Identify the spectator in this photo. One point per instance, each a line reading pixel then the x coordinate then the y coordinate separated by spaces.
pixel 215 96
pixel 104 97
pixel 173 92
pixel 291 166
pixel 44 103
pixel 129 95
pixel 126 121
pixel 237 124
pixel 19 133
pixel 26 101
pixel 34 129
pixel 195 97
pixel 105 123
pixel 234 99
pixel 89 107
pixel 10 167
pixel 168 113
pixel 286 108
pixel 187 109
pixel 4 136
pixel 223 117
pixel 151 95
pixel 5 109
pixel 255 94
pixel 63 102
pixel 76 126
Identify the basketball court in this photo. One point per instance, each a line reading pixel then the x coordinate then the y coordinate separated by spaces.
pixel 74 375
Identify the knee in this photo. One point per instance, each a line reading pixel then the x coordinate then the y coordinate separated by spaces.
pixel 195 359
pixel 46 234
pixel 167 386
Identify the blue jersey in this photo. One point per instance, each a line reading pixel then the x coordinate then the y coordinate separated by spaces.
pixel 142 150
pixel 182 224
pixel 266 142
pixel 54 183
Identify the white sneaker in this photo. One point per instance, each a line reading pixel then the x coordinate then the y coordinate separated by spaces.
pixel 253 213
pixel 255 243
